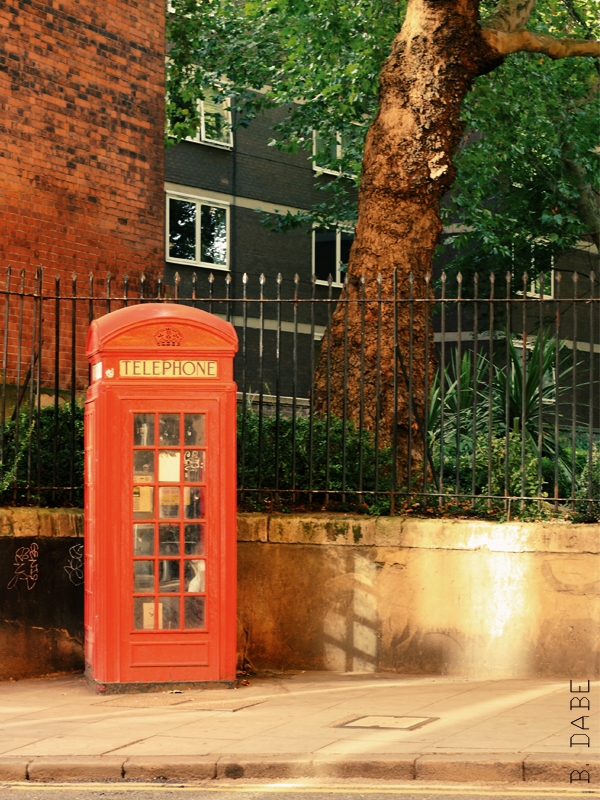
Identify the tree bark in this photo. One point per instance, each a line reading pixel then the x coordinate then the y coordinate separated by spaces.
pixel 407 168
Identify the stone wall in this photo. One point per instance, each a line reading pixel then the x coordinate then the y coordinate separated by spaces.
pixel 41 592
pixel 437 596
pixel 342 592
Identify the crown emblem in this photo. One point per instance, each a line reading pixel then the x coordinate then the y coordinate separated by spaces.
pixel 168 337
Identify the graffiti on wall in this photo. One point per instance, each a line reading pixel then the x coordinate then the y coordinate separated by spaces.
pixel 26 566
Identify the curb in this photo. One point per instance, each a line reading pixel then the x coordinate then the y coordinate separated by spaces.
pixel 460 768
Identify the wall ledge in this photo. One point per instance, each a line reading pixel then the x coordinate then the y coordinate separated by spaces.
pixel 421 533
pixel 351 530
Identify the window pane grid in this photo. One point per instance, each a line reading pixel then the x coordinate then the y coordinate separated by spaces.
pixel 197 232
pixel 169 564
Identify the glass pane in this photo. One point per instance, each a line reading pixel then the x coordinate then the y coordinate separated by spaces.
pixel 182 229
pixel 169 429
pixel 213 235
pixel 325 151
pixel 143 466
pixel 194 576
pixel 143 540
pixel 168 576
pixel 193 502
pixel 194 539
pixel 346 240
pixel 143 613
pixel 143 430
pixel 193 429
pixel 168 613
pixel 216 124
pixel 143 502
pixel 168 499
pixel 193 466
pixel 168 539
pixel 325 258
pixel 143 576
pixel 194 612
pixel 169 466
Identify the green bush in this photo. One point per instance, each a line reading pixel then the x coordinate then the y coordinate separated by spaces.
pixel 286 455
pixel 36 449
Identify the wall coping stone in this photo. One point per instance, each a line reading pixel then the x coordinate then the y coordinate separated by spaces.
pixel 422 533
pixel 353 530
pixel 41 522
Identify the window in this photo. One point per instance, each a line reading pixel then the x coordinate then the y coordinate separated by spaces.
pixel 331 251
pixel 197 232
pixel 547 289
pixel 327 152
pixel 215 120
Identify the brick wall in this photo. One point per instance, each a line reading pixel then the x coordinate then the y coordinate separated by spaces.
pixel 81 140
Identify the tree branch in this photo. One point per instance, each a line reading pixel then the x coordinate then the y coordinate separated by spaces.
pixel 509 15
pixel 516 42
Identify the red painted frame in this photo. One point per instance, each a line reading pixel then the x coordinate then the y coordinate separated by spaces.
pixel 115 653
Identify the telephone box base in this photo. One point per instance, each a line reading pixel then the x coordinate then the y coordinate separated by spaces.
pixel 166 686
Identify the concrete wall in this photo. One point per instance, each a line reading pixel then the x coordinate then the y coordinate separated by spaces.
pixel 342 592
pixel 419 596
pixel 41 592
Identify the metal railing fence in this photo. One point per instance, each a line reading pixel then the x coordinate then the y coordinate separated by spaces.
pixel 493 389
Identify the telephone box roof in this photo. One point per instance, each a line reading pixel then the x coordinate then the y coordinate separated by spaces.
pixel 118 328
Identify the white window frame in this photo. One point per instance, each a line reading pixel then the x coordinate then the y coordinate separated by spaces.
pixel 534 289
pixel 338 154
pixel 199 201
pixel 201 138
pixel 337 281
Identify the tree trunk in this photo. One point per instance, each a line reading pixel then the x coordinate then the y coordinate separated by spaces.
pixel 407 168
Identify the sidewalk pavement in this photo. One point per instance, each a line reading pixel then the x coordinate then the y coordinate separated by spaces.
pixel 301 725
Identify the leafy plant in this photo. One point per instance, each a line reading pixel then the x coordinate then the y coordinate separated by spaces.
pixel 327 456
pixel 43 457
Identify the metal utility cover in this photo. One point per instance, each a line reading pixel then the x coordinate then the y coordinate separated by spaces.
pixel 390 723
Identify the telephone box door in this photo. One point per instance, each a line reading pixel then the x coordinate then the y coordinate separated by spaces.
pixel 170 576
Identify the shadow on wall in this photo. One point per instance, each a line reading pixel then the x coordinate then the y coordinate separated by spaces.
pixel 465 598
pixel 350 625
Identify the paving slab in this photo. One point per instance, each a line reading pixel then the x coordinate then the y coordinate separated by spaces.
pixel 75 769
pixel 296 726
pixel 383 766
pixel 173 768
pixel 559 768
pixel 13 769
pixel 467 768
pixel 266 767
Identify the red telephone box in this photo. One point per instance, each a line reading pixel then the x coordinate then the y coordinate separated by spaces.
pixel 160 502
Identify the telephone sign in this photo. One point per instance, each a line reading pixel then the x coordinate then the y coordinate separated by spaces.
pixel 160 516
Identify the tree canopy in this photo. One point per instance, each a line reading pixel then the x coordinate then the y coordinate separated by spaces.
pixel 527 166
